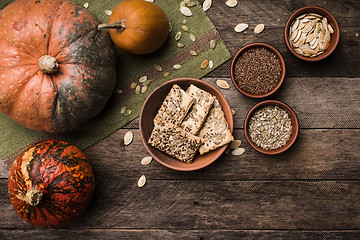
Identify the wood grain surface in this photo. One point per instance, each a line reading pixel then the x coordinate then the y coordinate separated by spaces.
pixel 312 191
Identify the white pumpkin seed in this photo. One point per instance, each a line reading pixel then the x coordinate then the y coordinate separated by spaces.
pixel 141 181
pixel 184 21
pixel 185 28
pixel 185 11
pixel 137 89
pixel 192 37
pixel 166 74
pixel 86 5
pixel 123 109
pixel 180 45
pixel 143 89
pixel 231 3
pixel 238 151
pixel 177 66
pixel 191 4
pixel 193 53
pixel 330 28
pixel 233 112
pixel 108 12
pixel 146 160
pixel 235 144
pixel 170 27
pixel 211 64
pixel 133 85
pixel 206 5
pixel 295 25
pixel 127 112
pixel 143 79
pixel 222 84
pixel 212 44
pixel 241 27
pixel 204 64
pixel 158 68
pixel 150 0
pixel 259 28
pixel 177 36
pixel 128 138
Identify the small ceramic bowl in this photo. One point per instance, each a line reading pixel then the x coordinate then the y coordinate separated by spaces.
pixel 150 109
pixel 256 45
pixel 294 123
pixel 334 36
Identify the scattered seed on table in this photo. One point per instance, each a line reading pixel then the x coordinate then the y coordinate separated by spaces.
pixel 146 160
pixel 231 3
pixel 206 5
pixel 222 84
pixel 128 138
pixel 141 181
pixel 235 144
pixel 259 28
pixel 241 27
pixel 238 151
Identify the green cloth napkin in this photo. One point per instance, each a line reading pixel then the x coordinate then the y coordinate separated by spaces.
pixel 15 138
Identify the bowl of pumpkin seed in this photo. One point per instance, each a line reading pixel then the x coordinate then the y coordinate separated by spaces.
pixel 312 33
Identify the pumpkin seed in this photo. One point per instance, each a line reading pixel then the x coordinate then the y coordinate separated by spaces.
pixel 143 79
pixel 222 84
pixel 141 181
pixel 166 74
pixel 127 112
pixel 330 28
pixel 185 28
pixel 211 64
pixel 128 138
pixel 233 112
pixel 192 37
pixel 206 5
pixel 204 64
pixel 212 44
pixel 137 89
pixel 146 160
pixel 143 89
pixel 150 0
pixel 235 144
pixel 123 109
pixel 259 28
pixel 133 85
pixel 146 83
pixel 191 4
pixel 183 3
pixel 170 27
pixel 158 68
pixel 193 53
pixel 177 36
pixel 241 27
pixel 108 12
pixel 86 5
pixel 238 151
pixel 180 45
pixel 177 66
pixel 118 91
pixel 231 3
pixel 185 11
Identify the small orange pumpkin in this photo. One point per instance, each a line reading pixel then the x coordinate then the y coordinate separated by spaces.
pixel 138 26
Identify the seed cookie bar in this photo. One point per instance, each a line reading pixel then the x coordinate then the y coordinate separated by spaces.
pixel 174 108
pixel 198 111
pixel 175 142
pixel 215 131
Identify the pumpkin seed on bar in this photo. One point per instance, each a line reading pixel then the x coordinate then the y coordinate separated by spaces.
pixel 191 4
pixel 143 79
pixel 137 89
pixel 186 11
pixel 166 74
pixel 192 37
pixel 178 36
pixel 204 64
pixel 123 109
pixel 177 66
pixel 180 45
pixel 127 112
pixel 211 64
pixel 118 91
pixel 108 12
pixel 143 89
pixel 86 5
pixel 184 21
pixel 212 44
pixel 170 27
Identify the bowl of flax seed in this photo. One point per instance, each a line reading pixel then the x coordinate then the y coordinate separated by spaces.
pixel 258 70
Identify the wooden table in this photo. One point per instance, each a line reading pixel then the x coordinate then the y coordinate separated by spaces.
pixel 312 191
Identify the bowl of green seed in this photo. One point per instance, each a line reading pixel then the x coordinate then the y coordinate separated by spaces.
pixel 271 127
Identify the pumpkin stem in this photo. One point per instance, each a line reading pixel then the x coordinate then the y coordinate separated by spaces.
pixel 47 64
pixel 120 25
pixel 33 196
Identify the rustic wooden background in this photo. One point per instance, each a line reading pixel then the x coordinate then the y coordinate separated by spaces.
pixel 312 191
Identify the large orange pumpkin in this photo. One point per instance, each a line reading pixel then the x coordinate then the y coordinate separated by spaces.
pixel 138 26
pixel 57 70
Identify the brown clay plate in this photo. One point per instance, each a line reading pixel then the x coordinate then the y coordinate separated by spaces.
pixel 150 109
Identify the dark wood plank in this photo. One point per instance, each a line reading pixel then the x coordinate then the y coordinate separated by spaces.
pixel 274 15
pixel 149 234
pixel 206 204
pixel 317 154
pixel 318 102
